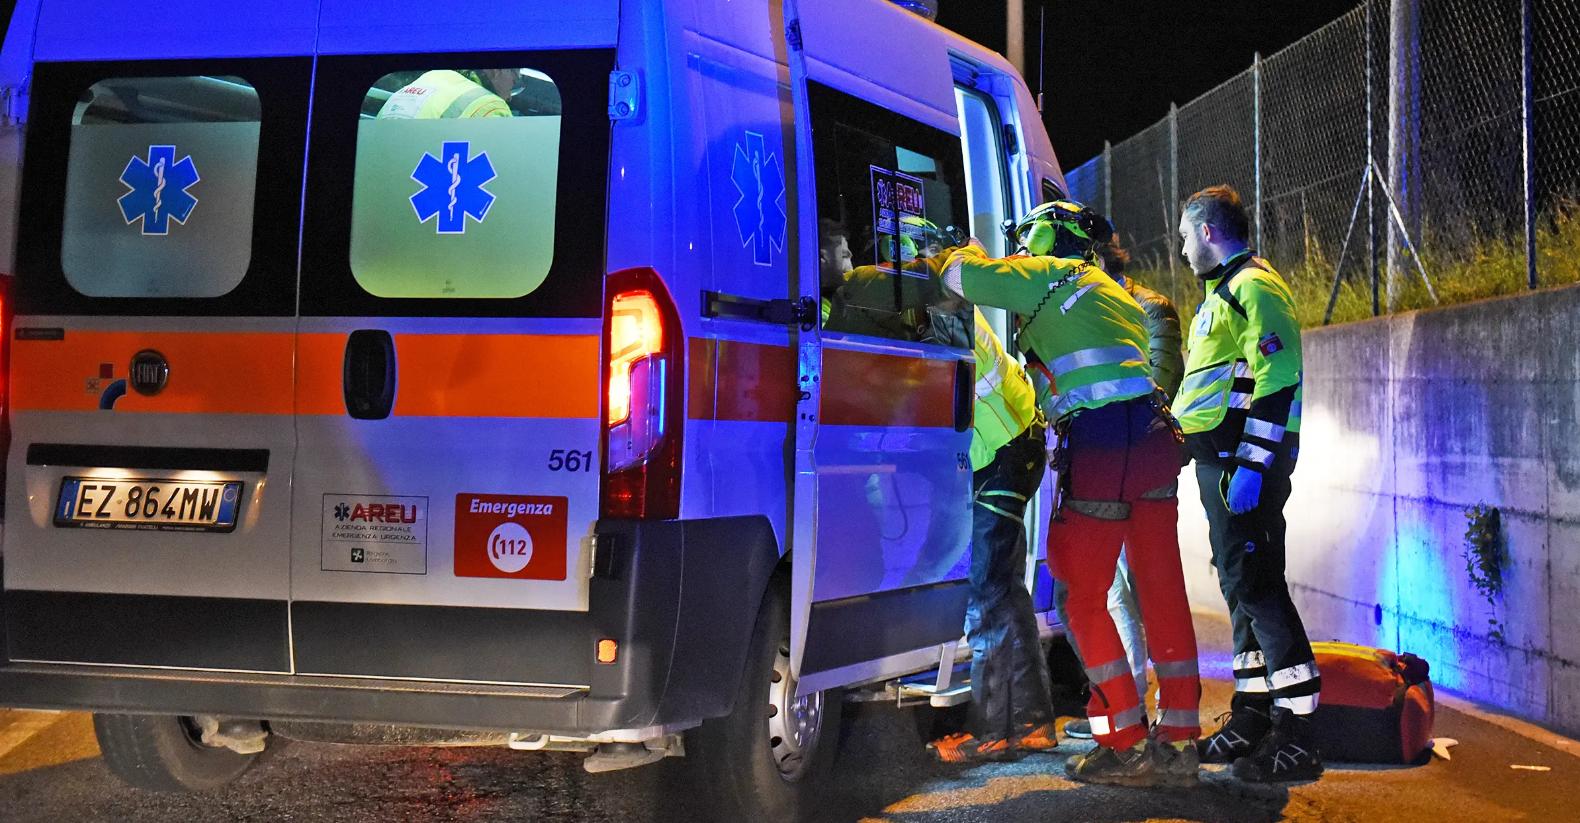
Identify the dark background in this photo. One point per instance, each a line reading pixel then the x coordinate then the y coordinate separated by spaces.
pixel 1113 67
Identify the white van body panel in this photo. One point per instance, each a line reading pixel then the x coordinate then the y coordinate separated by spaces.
pixel 174 30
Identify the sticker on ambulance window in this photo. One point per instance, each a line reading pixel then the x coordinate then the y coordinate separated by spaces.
pixel 513 536
pixel 378 534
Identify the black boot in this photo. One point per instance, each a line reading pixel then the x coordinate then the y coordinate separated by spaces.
pixel 1248 724
pixel 1286 754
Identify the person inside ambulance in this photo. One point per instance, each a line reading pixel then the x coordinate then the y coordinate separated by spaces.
pixel 834 263
pixel 1118 448
pixel 890 297
pixel 446 94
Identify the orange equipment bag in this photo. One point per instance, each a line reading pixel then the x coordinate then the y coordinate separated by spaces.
pixel 1376 706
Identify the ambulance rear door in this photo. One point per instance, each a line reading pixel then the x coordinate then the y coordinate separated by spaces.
pixel 448 393
pixel 148 484
pixel 883 477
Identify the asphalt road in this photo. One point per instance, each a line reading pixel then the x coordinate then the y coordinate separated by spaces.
pixel 50 771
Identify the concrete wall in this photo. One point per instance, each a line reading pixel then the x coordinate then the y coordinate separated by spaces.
pixel 1409 421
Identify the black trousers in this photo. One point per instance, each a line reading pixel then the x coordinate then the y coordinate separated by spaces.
pixel 1009 676
pixel 1272 654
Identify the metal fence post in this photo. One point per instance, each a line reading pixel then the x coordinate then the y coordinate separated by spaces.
pixel 1371 159
pixel 1174 190
pixel 1528 127
pixel 1256 133
pixel 1404 138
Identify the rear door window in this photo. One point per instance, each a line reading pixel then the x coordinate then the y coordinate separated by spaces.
pixel 185 152
pixel 458 185
pixel 163 188
pixel 455 183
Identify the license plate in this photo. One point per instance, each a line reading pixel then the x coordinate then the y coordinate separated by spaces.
pixel 135 503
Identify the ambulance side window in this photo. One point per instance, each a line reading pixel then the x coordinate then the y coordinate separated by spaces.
pixel 891 204
pixel 457 172
pixel 161 179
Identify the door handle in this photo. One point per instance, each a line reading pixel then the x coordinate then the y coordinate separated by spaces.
pixel 965 393
pixel 369 374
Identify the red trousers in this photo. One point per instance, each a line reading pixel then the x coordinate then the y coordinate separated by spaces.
pixel 1083 552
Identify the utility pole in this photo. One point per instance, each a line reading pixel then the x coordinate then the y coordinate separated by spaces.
pixel 1015 49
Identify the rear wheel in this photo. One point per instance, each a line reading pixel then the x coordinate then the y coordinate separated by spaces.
pixel 165 754
pixel 770 758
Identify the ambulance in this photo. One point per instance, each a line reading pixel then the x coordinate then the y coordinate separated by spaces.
pixel 491 372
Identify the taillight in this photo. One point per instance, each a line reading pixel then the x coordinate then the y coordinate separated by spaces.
pixel 643 407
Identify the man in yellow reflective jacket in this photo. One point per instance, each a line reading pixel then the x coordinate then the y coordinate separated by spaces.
pixel 1239 406
pixel 1088 336
pixel 445 94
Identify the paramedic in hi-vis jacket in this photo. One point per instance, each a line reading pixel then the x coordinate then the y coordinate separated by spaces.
pixel 444 94
pixel 1118 448
pixel 1240 409
pixel 1011 708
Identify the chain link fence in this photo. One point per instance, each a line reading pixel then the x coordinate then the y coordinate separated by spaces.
pixel 1412 152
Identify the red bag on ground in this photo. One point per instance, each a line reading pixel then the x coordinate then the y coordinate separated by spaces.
pixel 1376 706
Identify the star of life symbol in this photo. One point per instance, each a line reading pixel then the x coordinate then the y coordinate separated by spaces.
pixel 158 190
pixel 452 187
pixel 760 210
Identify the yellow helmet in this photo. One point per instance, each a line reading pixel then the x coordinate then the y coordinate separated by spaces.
pixel 1062 228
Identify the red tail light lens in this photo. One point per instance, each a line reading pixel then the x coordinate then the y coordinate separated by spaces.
pixel 643 376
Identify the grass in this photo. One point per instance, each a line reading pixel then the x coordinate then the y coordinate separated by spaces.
pixel 1492 267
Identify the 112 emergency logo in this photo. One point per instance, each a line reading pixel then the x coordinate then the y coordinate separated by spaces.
pixel 506 535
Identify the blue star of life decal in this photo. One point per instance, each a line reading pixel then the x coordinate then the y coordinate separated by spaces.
pixel 158 190
pixel 452 187
pixel 760 209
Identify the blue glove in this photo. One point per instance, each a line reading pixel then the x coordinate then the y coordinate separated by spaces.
pixel 1245 489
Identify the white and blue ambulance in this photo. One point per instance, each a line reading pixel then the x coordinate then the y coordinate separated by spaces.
pixel 492 371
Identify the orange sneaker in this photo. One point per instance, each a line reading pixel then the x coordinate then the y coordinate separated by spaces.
pixel 963 748
pixel 1041 738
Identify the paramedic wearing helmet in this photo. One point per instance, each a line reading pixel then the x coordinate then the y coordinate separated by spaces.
pixel 1117 450
pixel 1240 409
pixel 444 94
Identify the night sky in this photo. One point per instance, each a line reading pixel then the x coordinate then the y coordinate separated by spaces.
pixel 1114 66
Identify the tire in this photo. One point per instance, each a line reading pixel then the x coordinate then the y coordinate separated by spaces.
pixel 751 764
pixel 164 754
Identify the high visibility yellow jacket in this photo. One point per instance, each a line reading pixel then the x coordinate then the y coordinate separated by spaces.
pixel 443 94
pixel 1006 404
pixel 1240 400
pixel 1084 328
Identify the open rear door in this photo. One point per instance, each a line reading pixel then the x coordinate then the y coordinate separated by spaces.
pixel 882 484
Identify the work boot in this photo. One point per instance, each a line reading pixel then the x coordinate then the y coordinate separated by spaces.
pixel 1134 766
pixel 966 748
pixel 1248 724
pixel 1038 738
pixel 1286 754
pixel 1176 762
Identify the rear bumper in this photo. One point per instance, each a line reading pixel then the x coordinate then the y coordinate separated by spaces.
pixel 680 598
